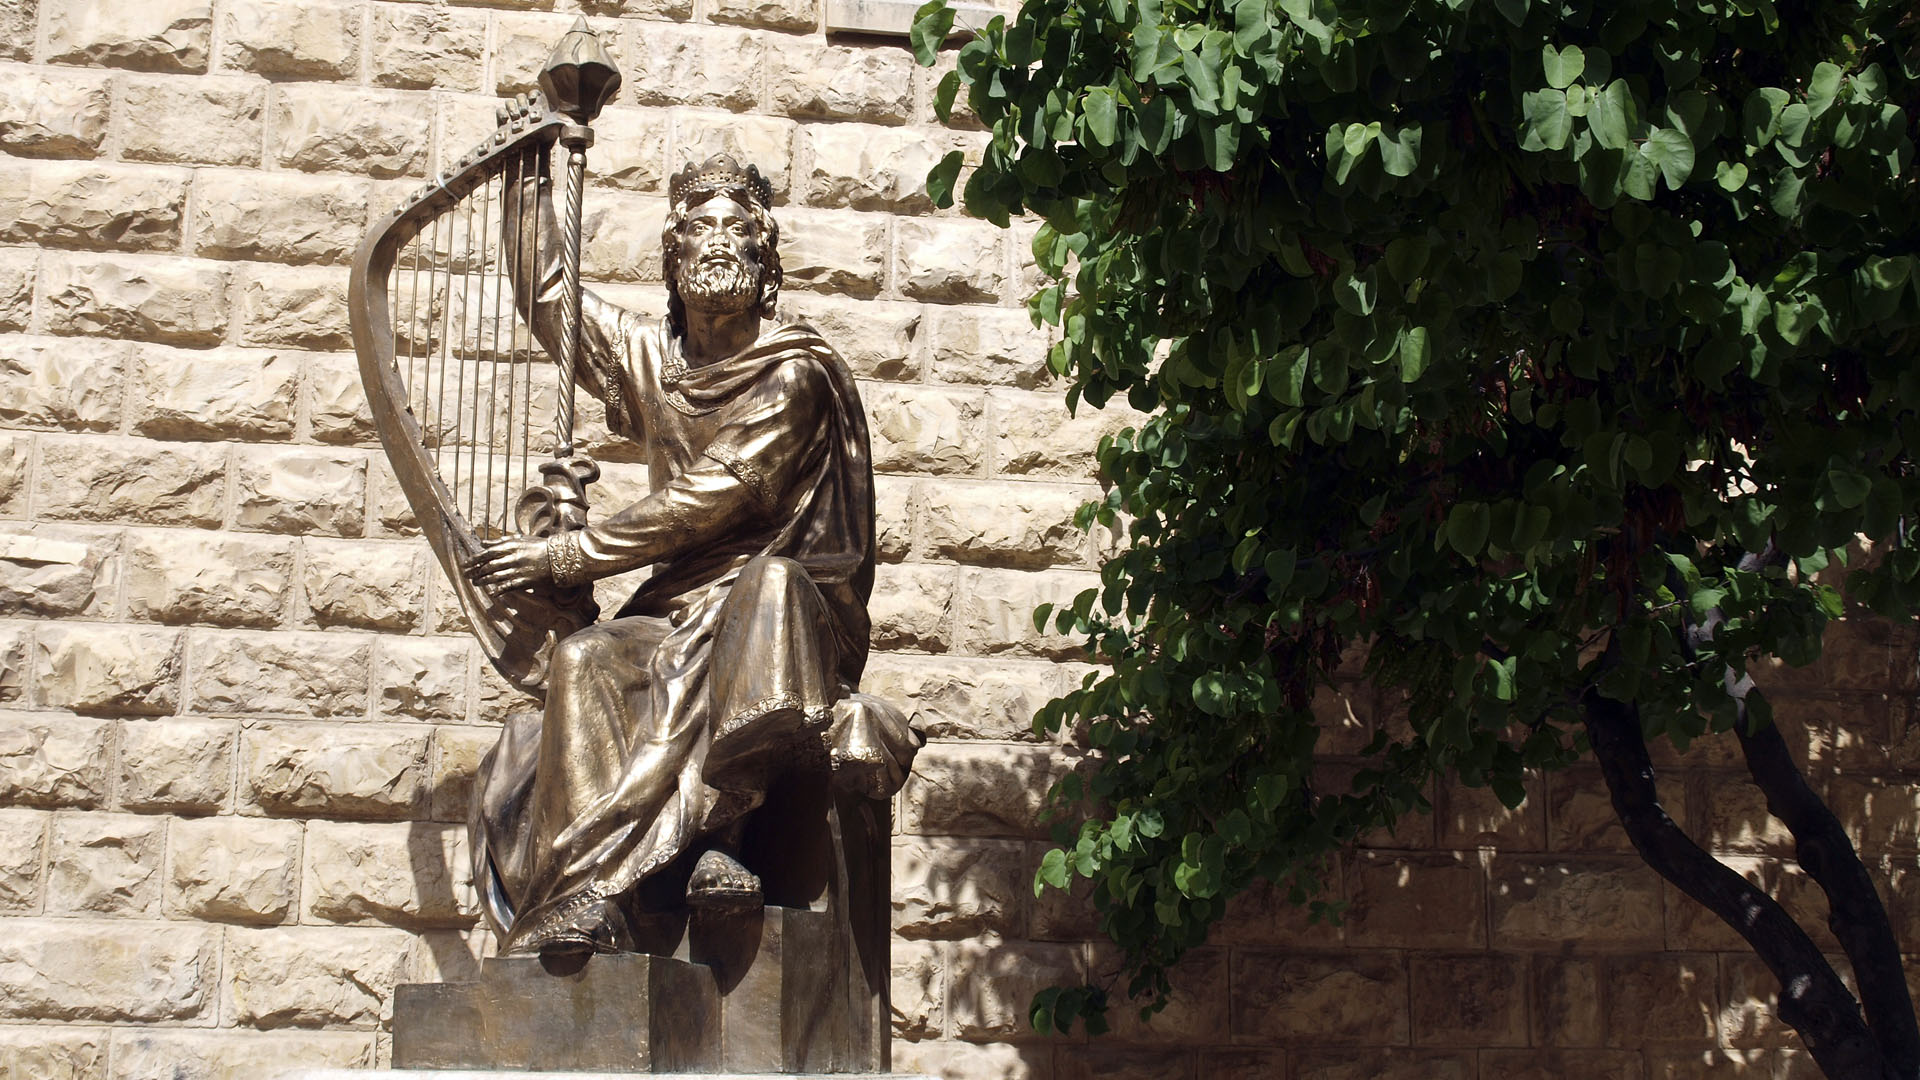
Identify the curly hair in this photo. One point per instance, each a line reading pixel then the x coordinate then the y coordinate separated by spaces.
pixel 769 248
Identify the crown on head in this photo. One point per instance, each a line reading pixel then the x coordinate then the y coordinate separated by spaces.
pixel 719 173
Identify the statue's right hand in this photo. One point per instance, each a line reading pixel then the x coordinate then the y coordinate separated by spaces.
pixel 513 562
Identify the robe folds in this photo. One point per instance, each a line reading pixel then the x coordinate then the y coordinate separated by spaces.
pixel 736 657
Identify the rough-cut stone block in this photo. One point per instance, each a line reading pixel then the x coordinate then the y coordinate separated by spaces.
pixel 1475 817
pixel 107 864
pixel 320 127
pixel 991 984
pixel 18 19
pixel 80 204
pixel 61 969
pixel 988 347
pixel 834 251
pixel 233 869
pixel 1340 999
pixel 1750 1005
pixel 14 655
pixel 54 1053
pixel 950 261
pixel 1614 902
pixel 132 481
pixel 1738 820
pixel 407 874
pixel 456 759
pixel 1265 914
pixel 1566 995
pixel 14 452
pixel 1196 1013
pixel 1561 1065
pixel 23 858
pixel 895 499
pixel 1436 900
pixel 176 764
pixel 864 168
pixel 363 771
pixel 946 888
pixel 955 698
pixel 227 394
pixel 417 47
pixel 1661 998
pixel 235 1055
pixel 297 307
pixel 307 674
pixel 160 35
pixel 917 990
pixel 19 268
pixel 1109 1062
pixel 300 491
pixel 996 615
pixel 952 1060
pixel 794 15
pixel 337 409
pixel 912 607
pixel 52 114
pixel 293 38
pixel 960 789
pixel 833 82
pixel 1383 1064
pixel 1243 1063
pixel 1580 814
pixel 924 431
pixel 764 141
pixel 342 586
pixel 1033 435
pixel 278 217
pixel 51 760
pixel 55 570
pixel 61 383
pixel 311 976
pixel 673 65
pixel 1469 999
pixel 620 237
pixel 179 303
pixel 200 121
pixel 114 669
pixel 629 150
pixel 1028 526
pixel 878 339
pixel 217 578
pixel 424 678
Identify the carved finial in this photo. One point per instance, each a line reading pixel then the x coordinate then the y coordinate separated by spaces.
pixel 580 77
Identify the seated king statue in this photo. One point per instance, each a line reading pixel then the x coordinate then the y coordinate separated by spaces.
pixel 737 659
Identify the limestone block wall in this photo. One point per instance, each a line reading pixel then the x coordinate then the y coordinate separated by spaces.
pixel 238 716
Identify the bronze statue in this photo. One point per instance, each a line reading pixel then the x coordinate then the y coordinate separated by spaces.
pixel 661 725
pixel 733 668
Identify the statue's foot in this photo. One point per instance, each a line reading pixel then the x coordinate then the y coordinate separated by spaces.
pixel 719 883
pixel 600 928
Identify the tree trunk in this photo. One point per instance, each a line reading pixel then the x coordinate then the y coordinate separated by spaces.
pixel 1813 1000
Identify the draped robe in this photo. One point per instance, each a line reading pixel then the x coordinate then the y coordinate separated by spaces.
pixel 663 724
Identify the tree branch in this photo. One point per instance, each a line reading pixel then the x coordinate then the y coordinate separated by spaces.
pixel 1855 912
pixel 1813 1000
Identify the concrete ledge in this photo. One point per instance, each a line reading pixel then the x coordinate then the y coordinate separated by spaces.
pixel 487 1074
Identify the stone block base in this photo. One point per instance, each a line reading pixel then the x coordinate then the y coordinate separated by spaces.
pixel 760 993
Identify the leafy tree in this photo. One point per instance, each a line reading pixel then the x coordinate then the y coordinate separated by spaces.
pixel 1544 352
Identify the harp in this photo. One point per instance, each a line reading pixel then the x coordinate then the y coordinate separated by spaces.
pixel 475 417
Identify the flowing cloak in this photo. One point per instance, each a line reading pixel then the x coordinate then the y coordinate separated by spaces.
pixel 659 723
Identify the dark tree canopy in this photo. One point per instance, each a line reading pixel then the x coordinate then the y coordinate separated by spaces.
pixel 1551 355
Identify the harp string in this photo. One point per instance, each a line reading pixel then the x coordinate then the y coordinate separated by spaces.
pixel 493 364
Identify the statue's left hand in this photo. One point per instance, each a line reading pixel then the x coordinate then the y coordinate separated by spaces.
pixel 513 562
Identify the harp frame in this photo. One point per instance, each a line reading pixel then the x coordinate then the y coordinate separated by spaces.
pixel 516 630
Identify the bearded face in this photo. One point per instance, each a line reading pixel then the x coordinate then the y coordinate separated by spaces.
pixel 720 271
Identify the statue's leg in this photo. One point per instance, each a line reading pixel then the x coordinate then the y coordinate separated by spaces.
pixel 773 681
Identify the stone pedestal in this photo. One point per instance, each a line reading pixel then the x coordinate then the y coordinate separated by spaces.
pixel 766 992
